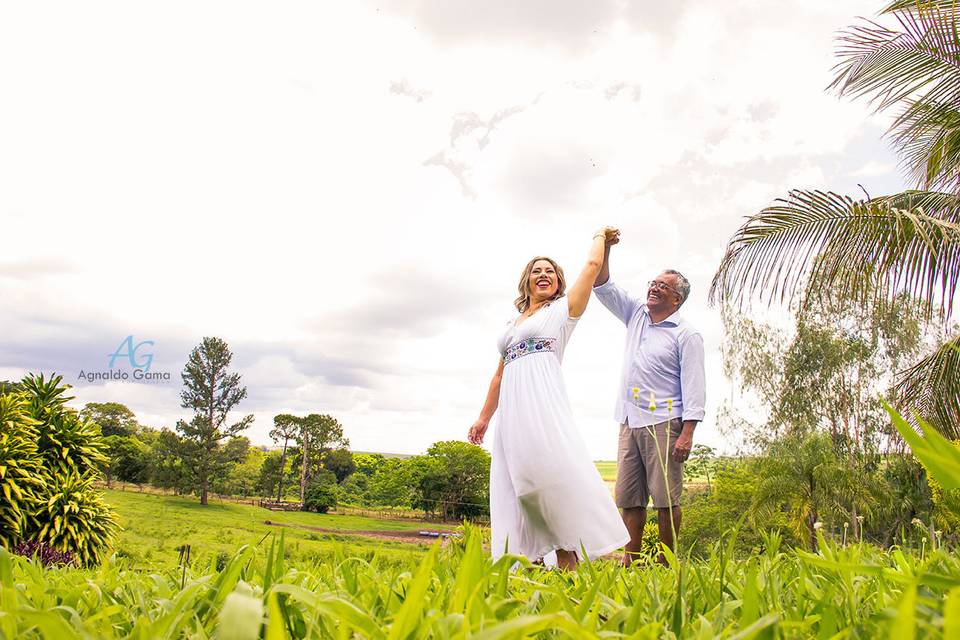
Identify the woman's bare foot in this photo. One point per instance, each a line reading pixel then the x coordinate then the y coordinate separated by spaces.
pixel 566 559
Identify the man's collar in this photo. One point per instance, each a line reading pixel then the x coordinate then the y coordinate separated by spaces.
pixel 672 320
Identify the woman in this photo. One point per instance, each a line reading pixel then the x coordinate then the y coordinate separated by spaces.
pixel 545 493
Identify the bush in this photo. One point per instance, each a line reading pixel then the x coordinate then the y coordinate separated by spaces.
pixel 321 495
pixel 49 458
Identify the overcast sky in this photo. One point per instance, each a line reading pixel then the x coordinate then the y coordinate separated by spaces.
pixel 347 192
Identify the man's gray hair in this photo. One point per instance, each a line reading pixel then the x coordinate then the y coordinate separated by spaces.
pixel 683 285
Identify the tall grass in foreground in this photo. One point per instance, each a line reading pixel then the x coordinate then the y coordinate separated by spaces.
pixel 455 592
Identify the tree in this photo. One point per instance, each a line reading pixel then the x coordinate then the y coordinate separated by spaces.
pixel 816 246
pixel 229 475
pixel 129 459
pixel 169 464
pixel 285 427
pixel 393 483
pixel 802 474
pixel 453 479
pixel 115 419
pixel 340 462
pixel 322 493
pixel 268 483
pixel 211 392
pixel 318 434
pixel 368 463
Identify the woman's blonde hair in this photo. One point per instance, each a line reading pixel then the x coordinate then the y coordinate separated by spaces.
pixel 523 302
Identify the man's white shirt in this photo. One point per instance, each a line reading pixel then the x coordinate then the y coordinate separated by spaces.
pixel 663 361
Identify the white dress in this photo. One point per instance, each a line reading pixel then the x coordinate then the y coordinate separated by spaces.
pixel 545 493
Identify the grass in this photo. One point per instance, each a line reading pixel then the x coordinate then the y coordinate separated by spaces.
pixel 156 526
pixel 457 592
pixel 607 469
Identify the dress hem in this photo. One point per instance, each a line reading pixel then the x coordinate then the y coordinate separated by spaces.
pixel 591 554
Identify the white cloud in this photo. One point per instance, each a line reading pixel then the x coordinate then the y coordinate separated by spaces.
pixel 347 193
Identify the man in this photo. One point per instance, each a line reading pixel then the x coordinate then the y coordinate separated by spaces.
pixel 663 366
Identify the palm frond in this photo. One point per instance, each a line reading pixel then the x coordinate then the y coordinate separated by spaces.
pixel 828 246
pixel 927 136
pixel 922 5
pixel 921 61
pixel 931 388
pixel 945 206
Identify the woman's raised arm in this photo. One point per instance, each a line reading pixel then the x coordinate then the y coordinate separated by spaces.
pixel 579 293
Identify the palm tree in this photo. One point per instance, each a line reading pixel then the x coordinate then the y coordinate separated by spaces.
pixel 815 245
pixel 802 475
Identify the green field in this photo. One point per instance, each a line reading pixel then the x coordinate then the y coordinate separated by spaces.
pixel 607 469
pixel 156 526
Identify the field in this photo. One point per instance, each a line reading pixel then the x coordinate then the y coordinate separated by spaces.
pixel 337 584
pixel 156 526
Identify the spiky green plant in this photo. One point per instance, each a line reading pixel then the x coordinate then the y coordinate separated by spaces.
pixel 20 469
pixel 74 518
pixel 67 442
pixel 49 458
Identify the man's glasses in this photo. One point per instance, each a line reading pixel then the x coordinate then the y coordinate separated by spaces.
pixel 662 286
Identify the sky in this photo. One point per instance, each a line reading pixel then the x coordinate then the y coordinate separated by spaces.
pixel 347 193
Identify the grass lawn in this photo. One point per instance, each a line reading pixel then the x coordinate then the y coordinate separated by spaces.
pixel 607 469
pixel 156 526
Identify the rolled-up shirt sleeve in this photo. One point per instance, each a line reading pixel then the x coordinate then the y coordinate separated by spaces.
pixel 616 300
pixel 692 377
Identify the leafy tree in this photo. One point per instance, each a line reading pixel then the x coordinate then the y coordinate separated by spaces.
pixel 340 462
pixel 285 428
pixel 802 475
pixel 115 419
pixel 368 463
pixel 169 463
pixel 268 482
pixel 228 475
pixel 712 513
pixel 322 493
pixel 392 484
pixel 904 496
pixel 211 392
pixel 8 387
pixel 317 435
pixel 819 246
pixel 353 490
pixel 699 463
pixel 453 479
pixel 129 459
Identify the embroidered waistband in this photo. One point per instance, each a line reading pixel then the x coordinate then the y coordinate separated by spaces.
pixel 528 346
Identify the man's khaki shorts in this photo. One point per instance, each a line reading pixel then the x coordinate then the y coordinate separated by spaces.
pixel 640 466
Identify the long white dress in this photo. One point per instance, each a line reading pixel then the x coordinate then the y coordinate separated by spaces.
pixel 545 493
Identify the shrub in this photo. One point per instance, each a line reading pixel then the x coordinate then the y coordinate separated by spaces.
pixel 321 495
pixel 20 470
pixel 49 458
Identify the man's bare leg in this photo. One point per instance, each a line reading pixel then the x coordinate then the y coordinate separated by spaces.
pixel 666 533
pixel 566 559
pixel 634 518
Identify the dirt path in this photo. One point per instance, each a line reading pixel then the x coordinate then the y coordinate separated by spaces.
pixel 411 537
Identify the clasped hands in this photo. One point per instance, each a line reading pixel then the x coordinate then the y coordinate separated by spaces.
pixel 611 235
